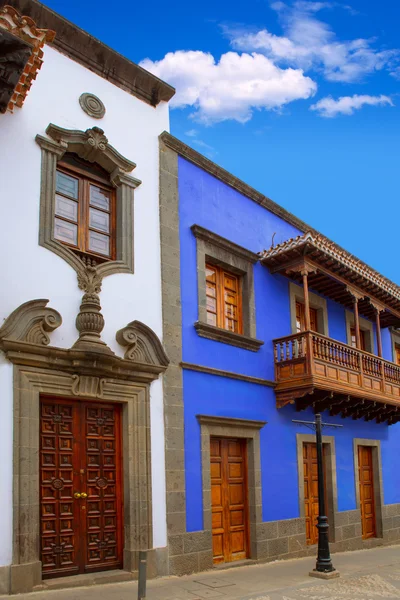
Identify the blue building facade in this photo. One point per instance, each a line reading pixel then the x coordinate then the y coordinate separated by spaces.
pixel 225 384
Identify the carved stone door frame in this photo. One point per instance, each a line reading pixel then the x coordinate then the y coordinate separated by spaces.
pixel 29 385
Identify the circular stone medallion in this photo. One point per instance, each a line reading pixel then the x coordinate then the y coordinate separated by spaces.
pixel 92 105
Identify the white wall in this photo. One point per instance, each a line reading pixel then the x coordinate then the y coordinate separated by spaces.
pixel 29 271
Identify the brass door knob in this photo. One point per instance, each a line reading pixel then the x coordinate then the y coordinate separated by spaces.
pixel 77 495
pixel 83 495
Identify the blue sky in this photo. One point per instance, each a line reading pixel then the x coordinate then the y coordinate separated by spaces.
pixel 300 99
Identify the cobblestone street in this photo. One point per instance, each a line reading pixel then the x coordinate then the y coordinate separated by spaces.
pixel 365 575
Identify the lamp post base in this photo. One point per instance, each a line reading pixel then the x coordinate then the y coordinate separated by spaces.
pixel 326 575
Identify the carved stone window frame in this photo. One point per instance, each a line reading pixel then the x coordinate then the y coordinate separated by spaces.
pixel 219 251
pixel 88 370
pixel 91 145
pixel 296 294
pixel 365 326
pixel 237 428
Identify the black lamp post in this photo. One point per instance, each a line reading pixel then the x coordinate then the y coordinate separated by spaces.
pixel 324 566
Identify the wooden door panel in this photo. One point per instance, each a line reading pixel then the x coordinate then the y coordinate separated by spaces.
pixel 311 502
pixel 80 452
pixel 217 509
pixel 103 512
pixel 367 502
pixel 228 499
pixel 58 466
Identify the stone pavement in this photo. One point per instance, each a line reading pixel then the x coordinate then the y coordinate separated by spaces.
pixel 365 575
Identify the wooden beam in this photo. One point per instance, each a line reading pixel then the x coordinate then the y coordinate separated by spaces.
pixel 364 291
pixel 306 300
pixel 339 407
pixel 370 416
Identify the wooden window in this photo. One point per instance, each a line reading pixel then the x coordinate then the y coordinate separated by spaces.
pixel 397 353
pixel 84 211
pixel 224 299
pixel 353 338
pixel 301 318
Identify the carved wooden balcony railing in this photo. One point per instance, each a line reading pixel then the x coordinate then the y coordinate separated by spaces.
pixel 313 369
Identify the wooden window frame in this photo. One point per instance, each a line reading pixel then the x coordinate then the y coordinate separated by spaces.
pixel 397 354
pixel 220 273
pixel 86 178
pixel 363 341
pixel 365 326
pixel 313 319
pixel 296 294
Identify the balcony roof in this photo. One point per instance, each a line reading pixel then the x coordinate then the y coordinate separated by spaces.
pixel 336 274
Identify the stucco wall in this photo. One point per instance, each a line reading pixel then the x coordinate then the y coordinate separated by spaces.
pixel 206 201
pixel 30 271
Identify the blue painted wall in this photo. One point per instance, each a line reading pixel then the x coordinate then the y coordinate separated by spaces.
pixel 206 201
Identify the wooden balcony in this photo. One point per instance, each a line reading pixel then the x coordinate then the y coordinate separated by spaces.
pixel 314 370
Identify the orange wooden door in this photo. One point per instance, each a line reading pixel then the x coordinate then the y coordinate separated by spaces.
pixel 80 453
pixel 310 491
pixel 367 503
pixel 311 506
pixel 229 499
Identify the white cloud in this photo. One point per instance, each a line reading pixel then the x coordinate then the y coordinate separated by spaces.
pixel 233 87
pixel 346 105
pixel 310 43
pixel 196 141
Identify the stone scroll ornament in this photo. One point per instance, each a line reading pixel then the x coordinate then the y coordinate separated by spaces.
pixel 142 344
pixel 31 322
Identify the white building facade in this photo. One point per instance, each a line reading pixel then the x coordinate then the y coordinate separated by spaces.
pixel 82 430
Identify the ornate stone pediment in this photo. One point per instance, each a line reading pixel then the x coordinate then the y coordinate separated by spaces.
pixel 91 145
pixel 31 322
pixel 143 345
pixel 24 338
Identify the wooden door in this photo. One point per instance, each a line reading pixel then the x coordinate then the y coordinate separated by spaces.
pixel 301 318
pixel 229 499
pixel 367 503
pixel 310 491
pixel 311 506
pixel 397 350
pixel 80 487
pixel 354 339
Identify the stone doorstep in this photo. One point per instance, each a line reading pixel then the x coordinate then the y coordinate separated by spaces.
pixel 102 577
pixel 236 563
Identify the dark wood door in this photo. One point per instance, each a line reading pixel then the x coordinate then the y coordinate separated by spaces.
pixel 311 506
pixel 229 499
pixel 367 503
pixel 80 487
